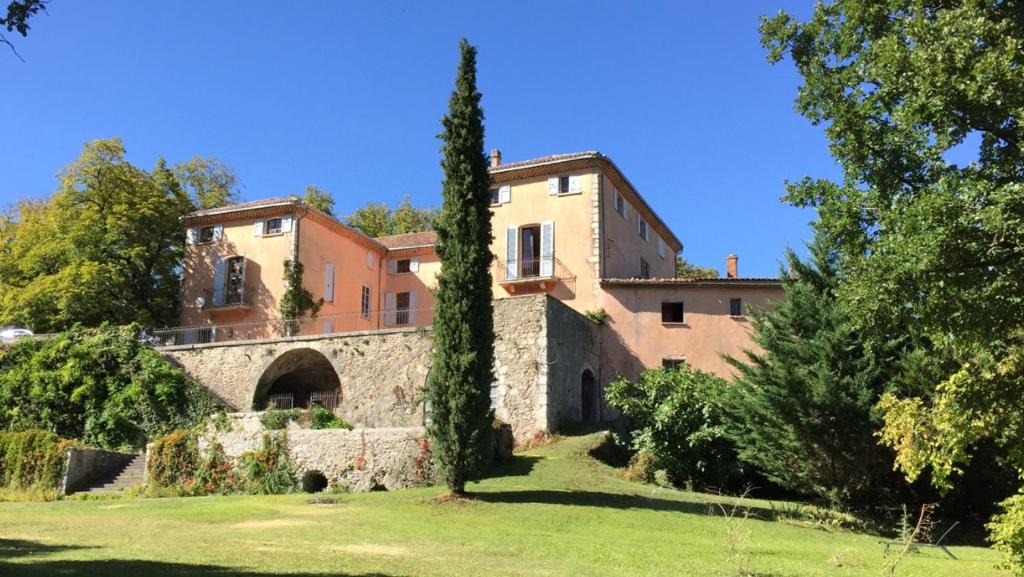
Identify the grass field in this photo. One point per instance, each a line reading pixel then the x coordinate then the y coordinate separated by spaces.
pixel 554 511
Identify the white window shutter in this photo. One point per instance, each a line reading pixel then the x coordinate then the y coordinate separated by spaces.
pixel 329 282
pixel 389 308
pixel 547 249
pixel 553 185
pixel 257 229
pixel 286 224
pixel 638 223
pixel 412 307
pixel 370 261
pixel 192 236
pixel 414 264
pixel 511 264
pixel 218 282
pixel 328 327
pixel 505 194
pixel 661 247
pixel 218 232
pixel 575 184
pixel 625 209
pixel 392 266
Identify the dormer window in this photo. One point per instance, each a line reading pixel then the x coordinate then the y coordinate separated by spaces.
pixel 272 226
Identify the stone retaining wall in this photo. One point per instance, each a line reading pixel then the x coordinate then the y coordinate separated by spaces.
pixel 83 466
pixel 360 460
pixel 541 348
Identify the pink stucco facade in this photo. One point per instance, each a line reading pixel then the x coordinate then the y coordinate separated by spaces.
pixel 571 226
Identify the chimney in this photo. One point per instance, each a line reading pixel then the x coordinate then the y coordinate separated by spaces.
pixel 730 266
pixel 495 158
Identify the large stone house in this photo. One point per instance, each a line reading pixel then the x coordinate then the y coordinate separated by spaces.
pixel 569 227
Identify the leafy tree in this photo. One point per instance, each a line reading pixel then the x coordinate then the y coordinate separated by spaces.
pixel 319 199
pixel 296 300
pixel 378 219
pixel 906 89
pixel 102 386
pixel 105 248
pixel 803 410
pixel 18 14
pixel 208 182
pixel 687 270
pixel 463 359
pixel 674 416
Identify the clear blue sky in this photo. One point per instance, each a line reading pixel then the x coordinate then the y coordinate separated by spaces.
pixel 349 96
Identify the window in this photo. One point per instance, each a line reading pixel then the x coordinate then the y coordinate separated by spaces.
pixel 402 308
pixel 645 268
pixel 641 227
pixel 672 312
pixel 673 364
pixel 234 287
pixel 564 185
pixel 620 204
pixel 495 196
pixel 365 302
pixel 272 226
pixel 206 234
pixel 403 265
pixel 735 307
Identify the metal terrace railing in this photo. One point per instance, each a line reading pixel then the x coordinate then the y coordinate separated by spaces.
pixel 308 326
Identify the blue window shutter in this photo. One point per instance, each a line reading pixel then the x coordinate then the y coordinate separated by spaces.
pixel 218 282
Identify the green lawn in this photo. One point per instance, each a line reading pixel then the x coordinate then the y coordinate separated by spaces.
pixel 555 511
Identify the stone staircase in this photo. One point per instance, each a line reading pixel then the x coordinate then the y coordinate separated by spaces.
pixel 121 478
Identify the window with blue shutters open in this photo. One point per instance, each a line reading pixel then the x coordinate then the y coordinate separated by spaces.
pixel 205 234
pixel 273 226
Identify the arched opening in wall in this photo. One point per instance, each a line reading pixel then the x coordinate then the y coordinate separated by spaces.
pixel 313 482
pixel 299 378
pixel 588 398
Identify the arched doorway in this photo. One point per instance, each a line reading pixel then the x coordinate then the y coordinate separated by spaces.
pixel 588 398
pixel 298 379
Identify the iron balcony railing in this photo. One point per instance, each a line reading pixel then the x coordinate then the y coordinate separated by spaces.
pixel 228 297
pixel 546 267
pixel 308 326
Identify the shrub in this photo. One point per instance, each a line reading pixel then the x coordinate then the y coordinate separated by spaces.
pixel 323 418
pixel 101 385
pixel 1007 530
pixel 597 316
pixel 32 459
pixel 673 415
pixel 174 460
pixel 268 470
pixel 642 467
pixel 277 419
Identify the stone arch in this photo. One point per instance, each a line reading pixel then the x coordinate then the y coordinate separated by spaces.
pixel 589 398
pixel 298 372
pixel 314 482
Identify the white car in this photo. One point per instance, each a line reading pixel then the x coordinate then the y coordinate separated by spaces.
pixel 11 334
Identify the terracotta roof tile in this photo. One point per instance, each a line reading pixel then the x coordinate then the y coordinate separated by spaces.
pixel 409 240
pixel 242 206
pixel 547 160
pixel 683 282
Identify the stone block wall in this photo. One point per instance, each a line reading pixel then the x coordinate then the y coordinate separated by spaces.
pixel 541 348
pixel 360 460
pixel 83 466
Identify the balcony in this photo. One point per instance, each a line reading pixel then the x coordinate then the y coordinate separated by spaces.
pixel 534 275
pixel 228 299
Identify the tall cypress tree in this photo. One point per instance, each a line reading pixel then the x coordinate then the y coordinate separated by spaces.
pixel 459 386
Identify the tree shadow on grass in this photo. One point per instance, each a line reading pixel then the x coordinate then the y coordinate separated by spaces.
pixel 11 548
pixel 39 566
pixel 613 501
pixel 516 466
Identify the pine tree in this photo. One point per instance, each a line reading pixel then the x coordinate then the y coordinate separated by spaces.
pixel 462 369
pixel 802 411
